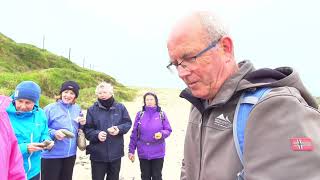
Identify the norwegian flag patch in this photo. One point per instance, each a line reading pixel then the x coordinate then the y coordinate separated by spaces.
pixel 301 144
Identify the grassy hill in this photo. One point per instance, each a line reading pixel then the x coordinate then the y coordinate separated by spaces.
pixel 20 62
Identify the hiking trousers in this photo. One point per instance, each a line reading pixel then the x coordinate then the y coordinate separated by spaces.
pixel 151 169
pixel 100 169
pixel 57 168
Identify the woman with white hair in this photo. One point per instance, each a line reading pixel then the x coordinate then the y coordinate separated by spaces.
pixel 107 122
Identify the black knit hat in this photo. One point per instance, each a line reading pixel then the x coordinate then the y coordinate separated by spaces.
pixel 70 85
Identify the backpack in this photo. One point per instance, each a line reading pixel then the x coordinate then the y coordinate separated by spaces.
pixel 161 114
pixel 245 104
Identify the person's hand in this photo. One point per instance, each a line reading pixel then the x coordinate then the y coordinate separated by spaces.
pixel 158 135
pixel 111 129
pixel 59 135
pixel 33 147
pixel 102 136
pixel 131 157
pixel 114 130
pixel 81 120
pixel 49 144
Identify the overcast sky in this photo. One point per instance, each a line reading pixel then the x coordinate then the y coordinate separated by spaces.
pixel 127 38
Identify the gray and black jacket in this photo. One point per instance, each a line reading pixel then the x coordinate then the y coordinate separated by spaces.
pixel 288 111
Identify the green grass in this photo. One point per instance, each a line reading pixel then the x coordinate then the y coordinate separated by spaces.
pixel 19 62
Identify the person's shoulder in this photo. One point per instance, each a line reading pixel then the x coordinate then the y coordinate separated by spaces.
pixel 40 114
pixel 281 99
pixel 4 98
pixel 284 93
pixel 119 104
pixel 50 106
pixel 76 107
pixel 4 102
pixel 93 106
pixel 139 112
pixel 161 110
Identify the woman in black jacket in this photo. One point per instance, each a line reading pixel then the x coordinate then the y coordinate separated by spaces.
pixel 107 122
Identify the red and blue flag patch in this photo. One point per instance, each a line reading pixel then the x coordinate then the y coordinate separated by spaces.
pixel 301 144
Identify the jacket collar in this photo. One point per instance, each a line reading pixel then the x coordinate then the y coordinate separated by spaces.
pixel 64 105
pixel 97 103
pixel 150 109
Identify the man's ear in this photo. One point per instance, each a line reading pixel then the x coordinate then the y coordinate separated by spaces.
pixel 227 45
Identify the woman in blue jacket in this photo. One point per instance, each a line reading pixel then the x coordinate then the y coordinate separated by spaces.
pixel 107 122
pixel 64 118
pixel 30 126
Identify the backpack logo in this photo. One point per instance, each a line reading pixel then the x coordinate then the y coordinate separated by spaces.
pixel 223 121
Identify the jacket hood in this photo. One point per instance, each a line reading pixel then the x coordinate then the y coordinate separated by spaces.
pixel 247 77
pixel 279 77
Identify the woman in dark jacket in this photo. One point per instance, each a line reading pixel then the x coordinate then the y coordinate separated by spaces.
pixel 107 122
pixel 150 129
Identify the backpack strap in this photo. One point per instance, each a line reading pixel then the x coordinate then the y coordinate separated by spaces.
pixel 140 115
pixel 245 104
pixel 139 123
pixel 161 116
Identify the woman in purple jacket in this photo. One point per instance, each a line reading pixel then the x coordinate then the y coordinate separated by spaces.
pixel 151 128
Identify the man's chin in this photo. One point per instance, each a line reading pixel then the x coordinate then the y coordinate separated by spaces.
pixel 199 93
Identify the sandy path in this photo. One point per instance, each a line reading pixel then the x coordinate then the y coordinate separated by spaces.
pixel 177 110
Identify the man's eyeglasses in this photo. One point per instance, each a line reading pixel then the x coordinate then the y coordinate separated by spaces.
pixel 173 66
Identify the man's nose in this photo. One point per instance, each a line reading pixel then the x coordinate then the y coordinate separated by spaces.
pixel 182 72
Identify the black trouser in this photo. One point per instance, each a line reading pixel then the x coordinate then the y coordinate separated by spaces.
pixel 36 177
pixel 151 169
pixel 100 169
pixel 57 168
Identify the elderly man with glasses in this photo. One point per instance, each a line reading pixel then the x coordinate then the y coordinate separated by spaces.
pixel 281 134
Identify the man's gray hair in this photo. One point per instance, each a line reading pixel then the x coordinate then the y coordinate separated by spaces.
pixel 213 26
pixel 105 86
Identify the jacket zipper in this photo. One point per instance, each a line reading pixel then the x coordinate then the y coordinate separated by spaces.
pixel 201 144
pixel 29 158
pixel 31 141
pixel 71 128
pixel 111 119
pixel 200 165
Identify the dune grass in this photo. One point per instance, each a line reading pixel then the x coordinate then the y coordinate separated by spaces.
pixel 19 62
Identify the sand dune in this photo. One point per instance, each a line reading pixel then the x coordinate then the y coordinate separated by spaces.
pixel 177 110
